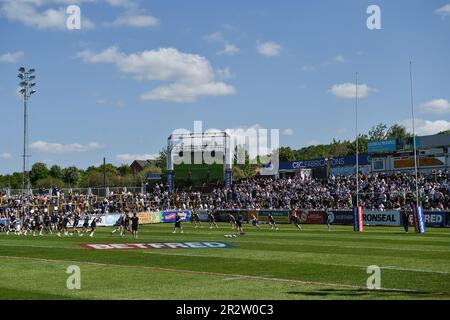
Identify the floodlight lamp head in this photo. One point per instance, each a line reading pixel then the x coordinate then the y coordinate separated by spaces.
pixel 32 70
pixel 32 91
pixel 23 83
pixel 21 69
pixel 20 75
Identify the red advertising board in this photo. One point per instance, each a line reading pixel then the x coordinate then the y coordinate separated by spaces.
pixel 310 216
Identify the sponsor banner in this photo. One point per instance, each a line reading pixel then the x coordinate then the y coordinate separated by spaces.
pixel 342 217
pixel 155 245
pixel 222 215
pixel 432 219
pixel 381 218
pixel 169 216
pixel 310 217
pixel 154 176
pixel 106 220
pixel 203 215
pixel 303 164
pixel 280 216
pixel 149 217
pixel 364 160
pixel 382 146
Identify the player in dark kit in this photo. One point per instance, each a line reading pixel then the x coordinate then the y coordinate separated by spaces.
pixel 85 224
pixel 239 222
pixel 134 225
pixel 76 221
pixel 296 221
pixel 12 224
pixel 177 224
pixel 196 220
pixel 405 220
pixel 47 223
pixel 37 223
pixel 232 221
pixel 212 220
pixel 94 225
pixel 119 225
pixel 272 223
pixel 329 219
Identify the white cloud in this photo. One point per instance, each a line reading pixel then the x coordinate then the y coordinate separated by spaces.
pixel 47 147
pixel 224 73
pixel 288 132
pixel 426 127
pixel 191 74
pixel 26 12
pixel 444 11
pixel 269 49
pixel 5 156
pixel 120 103
pixel 339 59
pixel 11 57
pixel 128 157
pixel 436 106
pixel 135 21
pixel 309 68
pixel 348 90
pixel 229 49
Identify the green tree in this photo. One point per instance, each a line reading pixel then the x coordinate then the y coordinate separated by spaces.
pixel 71 176
pixel 398 131
pixel 38 171
pixel 378 132
pixel 286 154
pixel 56 172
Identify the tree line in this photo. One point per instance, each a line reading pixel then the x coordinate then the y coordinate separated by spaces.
pixel 119 176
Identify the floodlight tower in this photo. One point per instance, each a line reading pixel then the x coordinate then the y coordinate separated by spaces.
pixel 26 90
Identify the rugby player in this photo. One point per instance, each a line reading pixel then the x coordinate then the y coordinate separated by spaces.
pixel 196 220
pixel 296 220
pixel 177 224
pixel 329 218
pixel 134 225
pixel 254 221
pixel 272 223
pixel 212 220
pixel 239 222
pixel 232 221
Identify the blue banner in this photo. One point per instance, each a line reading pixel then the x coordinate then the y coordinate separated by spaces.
pixel 169 216
pixel 382 146
pixel 364 160
pixel 170 181
pixel 341 217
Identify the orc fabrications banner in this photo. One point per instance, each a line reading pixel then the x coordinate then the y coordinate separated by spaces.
pixel 381 218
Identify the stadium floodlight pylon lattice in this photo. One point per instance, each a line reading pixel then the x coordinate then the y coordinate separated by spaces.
pixel 196 146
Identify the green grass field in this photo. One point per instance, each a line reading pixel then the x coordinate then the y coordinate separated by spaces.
pixel 263 265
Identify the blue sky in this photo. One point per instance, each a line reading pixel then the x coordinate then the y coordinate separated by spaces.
pixel 137 70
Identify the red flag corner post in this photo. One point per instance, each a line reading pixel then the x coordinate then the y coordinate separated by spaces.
pixel 358 221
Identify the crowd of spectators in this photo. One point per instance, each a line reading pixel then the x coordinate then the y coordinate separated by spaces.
pixel 394 191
